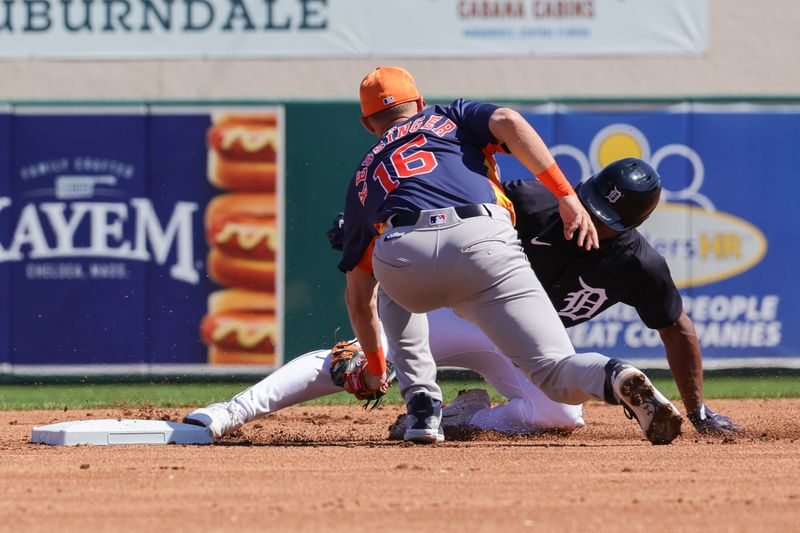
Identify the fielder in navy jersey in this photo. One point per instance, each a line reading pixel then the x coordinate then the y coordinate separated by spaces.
pixel 439 164
pixel 429 227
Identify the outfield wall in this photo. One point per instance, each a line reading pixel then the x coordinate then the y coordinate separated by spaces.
pixel 105 239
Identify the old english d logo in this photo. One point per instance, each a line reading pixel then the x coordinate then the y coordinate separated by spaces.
pixel 614 195
pixel 584 303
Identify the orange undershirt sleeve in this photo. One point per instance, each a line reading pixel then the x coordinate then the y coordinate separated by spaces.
pixel 365 263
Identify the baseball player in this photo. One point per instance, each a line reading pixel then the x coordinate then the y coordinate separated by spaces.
pixel 453 341
pixel 427 220
pixel 581 284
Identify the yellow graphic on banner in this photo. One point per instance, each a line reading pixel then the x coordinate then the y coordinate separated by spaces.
pixel 247 236
pixel 701 245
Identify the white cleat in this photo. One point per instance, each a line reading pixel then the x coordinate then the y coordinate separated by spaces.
pixel 398 428
pixel 220 418
pixel 659 419
pixel 458 415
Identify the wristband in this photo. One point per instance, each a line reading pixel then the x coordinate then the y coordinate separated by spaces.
pixel 555 181
pixel 376 361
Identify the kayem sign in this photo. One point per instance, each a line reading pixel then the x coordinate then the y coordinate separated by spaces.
pixel 346 28
pixel 141 239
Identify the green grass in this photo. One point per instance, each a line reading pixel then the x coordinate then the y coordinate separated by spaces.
pixel 193 394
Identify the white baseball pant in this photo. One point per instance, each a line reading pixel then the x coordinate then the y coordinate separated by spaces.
pixel 454 342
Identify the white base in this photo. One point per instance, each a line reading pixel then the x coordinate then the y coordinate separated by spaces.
pixel 111 432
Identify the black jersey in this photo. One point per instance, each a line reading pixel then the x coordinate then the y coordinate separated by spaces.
pixel 583 283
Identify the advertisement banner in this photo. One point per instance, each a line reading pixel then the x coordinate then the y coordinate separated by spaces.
pixel 141 236
pixel 147 240
pixel 5 280
pixel 346 28
pixel 723 225
pixel 74 180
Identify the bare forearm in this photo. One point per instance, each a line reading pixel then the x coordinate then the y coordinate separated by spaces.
pixel 364 320
pixel 685 360
pixel 361 296
pixel 511 129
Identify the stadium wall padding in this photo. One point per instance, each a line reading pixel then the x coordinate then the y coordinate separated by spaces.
pixel 725 226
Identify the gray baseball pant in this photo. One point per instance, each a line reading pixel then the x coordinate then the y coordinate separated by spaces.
pixel 477 267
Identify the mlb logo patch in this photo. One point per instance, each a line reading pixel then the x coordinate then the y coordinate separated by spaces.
pixel 388 100
pixel 435 220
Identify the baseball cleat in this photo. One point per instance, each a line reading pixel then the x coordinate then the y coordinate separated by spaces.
pixel 220 418
pixel 708 422
pixel 458 415
pixel 397 430
pixel 455 417
pixel 424 420
pixel 659 419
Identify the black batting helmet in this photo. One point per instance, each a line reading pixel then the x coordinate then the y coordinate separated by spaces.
pixel 623 194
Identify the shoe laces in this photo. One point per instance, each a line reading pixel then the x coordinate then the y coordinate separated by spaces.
pixel 233 412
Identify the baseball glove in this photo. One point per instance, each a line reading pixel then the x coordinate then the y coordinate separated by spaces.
pixel 348 365
pixel 335 233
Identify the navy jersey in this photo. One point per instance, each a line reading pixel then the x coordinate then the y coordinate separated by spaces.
pixel 583 283
pixel 441 157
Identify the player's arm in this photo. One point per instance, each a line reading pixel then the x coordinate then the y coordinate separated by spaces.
pixel 512 130
pixel 361 300
pixel 660 303
pixel 359 280
pixel 685 360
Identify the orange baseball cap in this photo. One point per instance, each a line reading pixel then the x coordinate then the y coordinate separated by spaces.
pixel 386 87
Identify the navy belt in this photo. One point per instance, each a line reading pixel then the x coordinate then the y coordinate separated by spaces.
pixel 407 218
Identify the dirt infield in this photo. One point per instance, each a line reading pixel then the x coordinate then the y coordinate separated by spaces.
pixel 330 469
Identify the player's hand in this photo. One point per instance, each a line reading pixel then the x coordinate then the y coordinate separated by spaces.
pixel 711 423
pixel 349 369
pixel 379 383
pixel 577 219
